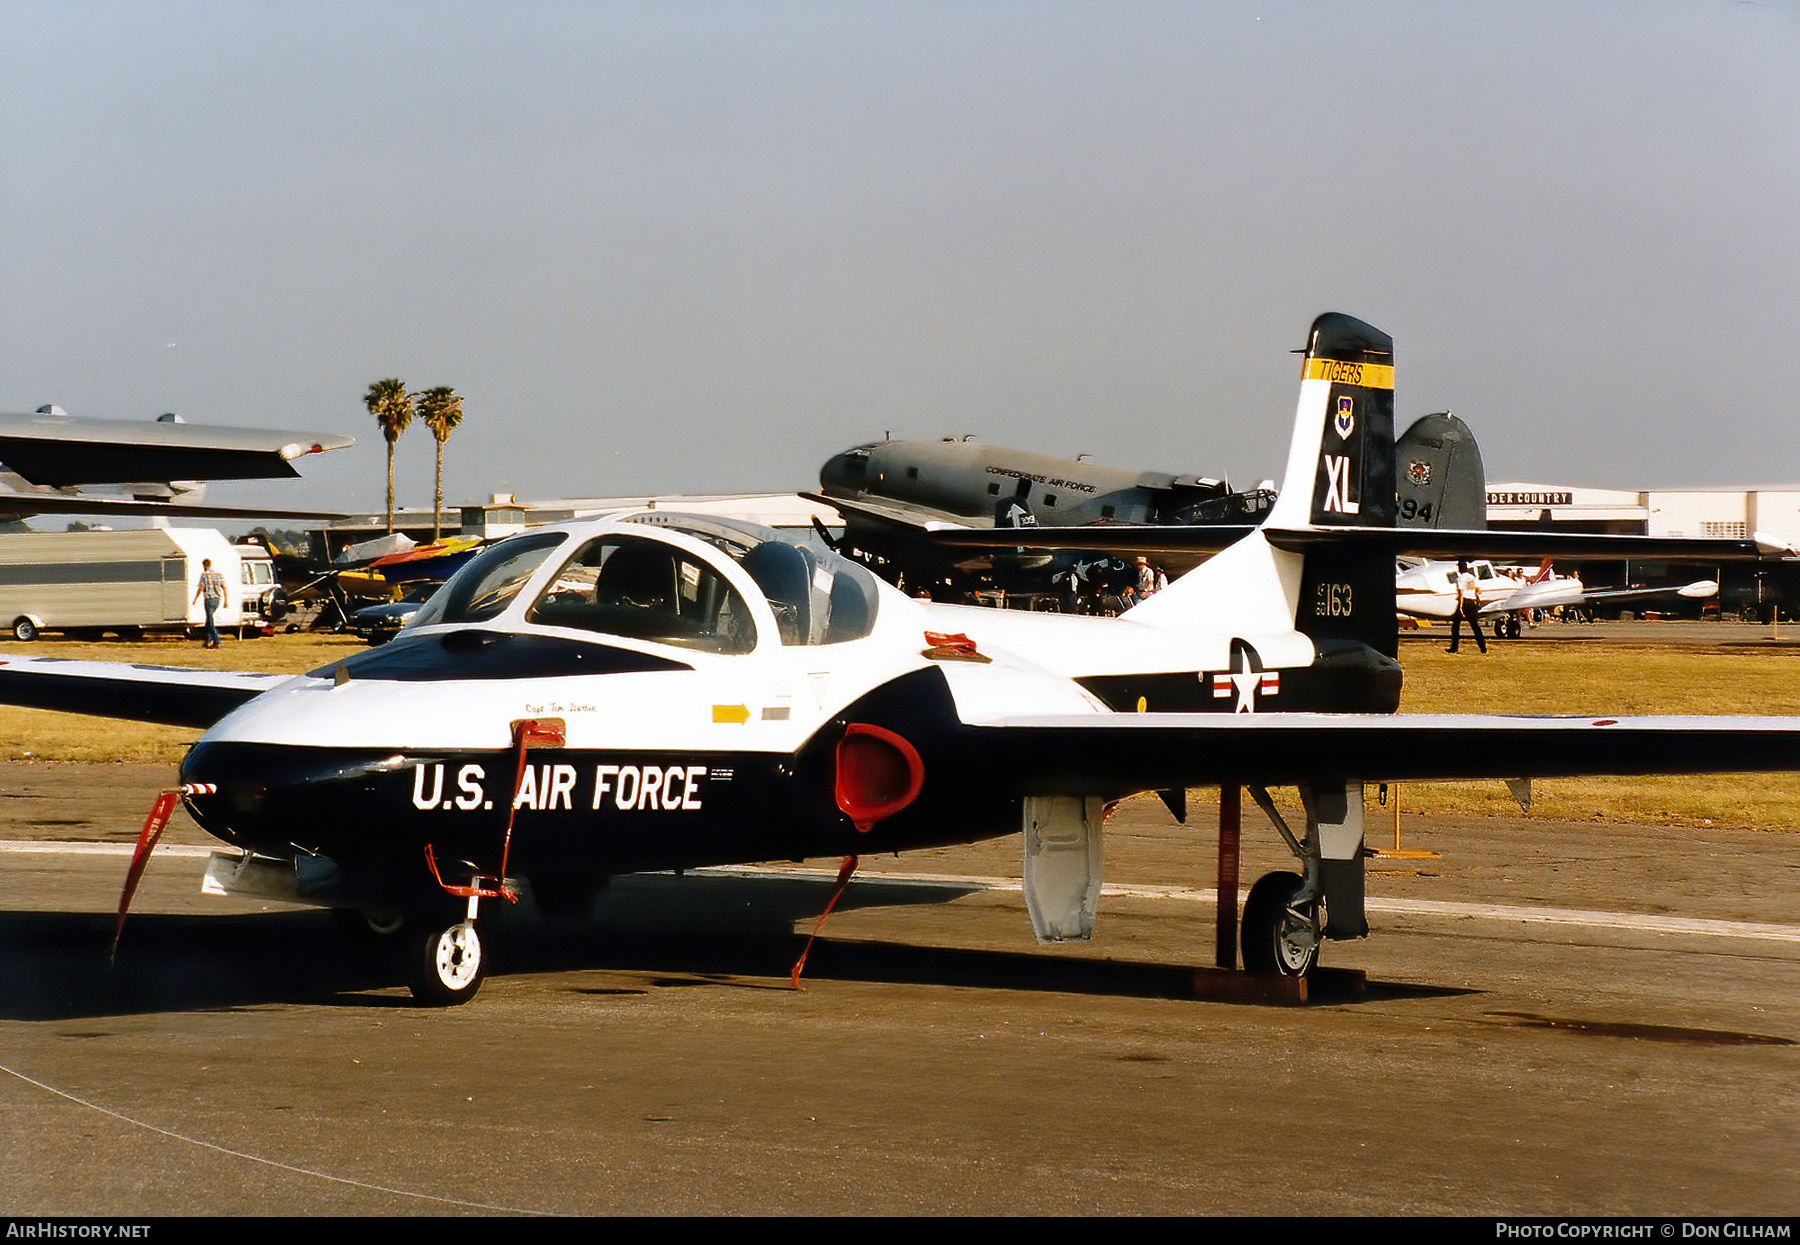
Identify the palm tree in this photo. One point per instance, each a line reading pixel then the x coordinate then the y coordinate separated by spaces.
pixel 392 408
pixel 441 411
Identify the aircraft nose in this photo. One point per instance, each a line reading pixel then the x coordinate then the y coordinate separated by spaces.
pixel 270 799
pixel 844 472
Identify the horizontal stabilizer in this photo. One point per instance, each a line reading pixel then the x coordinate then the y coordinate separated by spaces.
pixel 1394 542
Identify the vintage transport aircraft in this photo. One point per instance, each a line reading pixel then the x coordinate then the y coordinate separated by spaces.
pixel 670 692
pixel 898 498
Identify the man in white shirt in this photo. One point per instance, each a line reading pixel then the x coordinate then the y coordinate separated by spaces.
pixel 1468 605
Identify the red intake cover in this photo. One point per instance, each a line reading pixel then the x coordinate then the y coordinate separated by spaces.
pixel 878 774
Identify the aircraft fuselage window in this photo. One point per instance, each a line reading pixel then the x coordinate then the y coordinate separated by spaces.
pixel 646 590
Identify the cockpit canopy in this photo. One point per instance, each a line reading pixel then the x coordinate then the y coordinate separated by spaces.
pixel 621 583
pixel 818 597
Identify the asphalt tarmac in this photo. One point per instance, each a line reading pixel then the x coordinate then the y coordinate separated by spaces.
pixel 1550 1019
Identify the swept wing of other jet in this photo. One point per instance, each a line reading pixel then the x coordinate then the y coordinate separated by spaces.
pixel 616 696
pixel 54 462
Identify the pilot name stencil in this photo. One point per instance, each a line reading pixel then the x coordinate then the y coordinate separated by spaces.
pixel 551 786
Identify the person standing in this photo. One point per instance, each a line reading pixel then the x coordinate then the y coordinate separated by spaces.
pixel 211 589
pixel 1468 605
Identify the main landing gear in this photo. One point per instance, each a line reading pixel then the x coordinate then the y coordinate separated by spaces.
pixel 1280 930
pixel 1287 915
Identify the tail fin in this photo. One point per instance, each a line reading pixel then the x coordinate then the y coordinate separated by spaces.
pixel 1439 476
pixel 1340 469
pixel 1340 477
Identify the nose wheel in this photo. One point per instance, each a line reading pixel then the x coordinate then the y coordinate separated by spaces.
pixel 450 965
pixel 1279 934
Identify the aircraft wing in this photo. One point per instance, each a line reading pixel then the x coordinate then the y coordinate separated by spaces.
pixel 171 695
pixel 1104 754
pixel 1698 590
pixel 1086 755
pixel 62 450
pixel 24 505
pixel 903 516
pixel 1111 538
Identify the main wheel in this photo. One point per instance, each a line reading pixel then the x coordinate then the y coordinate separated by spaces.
pixel 1274 939
pixel 24 630
pixel 450 966
pixel 370 926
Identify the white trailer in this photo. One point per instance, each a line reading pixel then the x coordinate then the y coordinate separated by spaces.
pixel 123 582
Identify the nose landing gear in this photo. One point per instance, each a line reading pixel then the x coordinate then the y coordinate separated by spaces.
pixel 449 966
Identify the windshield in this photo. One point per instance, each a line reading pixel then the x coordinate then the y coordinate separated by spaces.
pixel 484 587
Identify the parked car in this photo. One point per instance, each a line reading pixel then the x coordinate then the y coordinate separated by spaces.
pixel 380 623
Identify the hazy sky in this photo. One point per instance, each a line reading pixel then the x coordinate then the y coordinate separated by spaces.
pixel 683 246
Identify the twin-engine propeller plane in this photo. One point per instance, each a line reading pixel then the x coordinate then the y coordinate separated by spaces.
pixel 1428 590
pixel 672 692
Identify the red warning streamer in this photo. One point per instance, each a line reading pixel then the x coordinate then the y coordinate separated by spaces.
pixel 843 880
pixel 148 837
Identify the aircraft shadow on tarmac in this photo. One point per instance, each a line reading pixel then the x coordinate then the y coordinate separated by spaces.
pixel 727 932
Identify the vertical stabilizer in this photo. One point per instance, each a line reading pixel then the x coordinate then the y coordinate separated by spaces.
pixel 1340 477
pixel 1439 476
pixel 1340 469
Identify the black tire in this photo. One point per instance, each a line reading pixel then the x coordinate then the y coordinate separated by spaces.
pixel 449 965
pixel 24 630
pixel 368 928
pixel 1271 940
